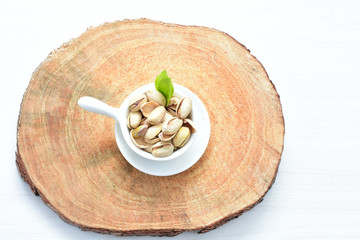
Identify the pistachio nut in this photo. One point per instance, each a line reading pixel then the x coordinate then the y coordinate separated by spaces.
pixel 172 125
pixel 183 109
pixel 156 115
pixel 190 124
pixel 156 96
pixel 181 137
pixel 173 102
pixel 172 112
pixel 149 148
pixel 144 122
pixel 167 116
pixel 151 135
pixel 136 102
pixel 166 137
pixel 138 141
pixel 139 131
pixel 134 119
pixel 162 149
pixel 148 107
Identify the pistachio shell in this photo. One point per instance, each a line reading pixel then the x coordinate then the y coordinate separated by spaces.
pixel 134 119
pixel 172 125
pixel 165 137
pixel 181 137
pixel 153 141
pixel 162 149
pixel 136 102
pixel 167 116
pixel 156 96
pixel 173 102
pixel 139 131
pixel 172 112
pixel 156 115
pixel 138 141
pixel 144 122
pixel 148 107
pixel 152 133
pixel 190 124
pixel 149 148
pixel 183 109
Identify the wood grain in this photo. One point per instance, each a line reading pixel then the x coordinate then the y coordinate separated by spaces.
pixel 70 158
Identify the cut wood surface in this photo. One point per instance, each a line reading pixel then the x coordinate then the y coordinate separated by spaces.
pixel 70 158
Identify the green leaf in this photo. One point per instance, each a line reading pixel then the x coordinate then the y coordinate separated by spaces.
pixel 164 85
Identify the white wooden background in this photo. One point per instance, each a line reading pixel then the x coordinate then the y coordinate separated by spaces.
pixel 310 50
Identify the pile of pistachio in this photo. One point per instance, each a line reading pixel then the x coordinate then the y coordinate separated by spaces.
pixel 157 128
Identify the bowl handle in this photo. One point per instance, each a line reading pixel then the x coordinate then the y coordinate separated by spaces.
pixel 96 106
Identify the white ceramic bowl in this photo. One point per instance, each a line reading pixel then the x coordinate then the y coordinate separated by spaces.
pixel 181 159
pixel 179 91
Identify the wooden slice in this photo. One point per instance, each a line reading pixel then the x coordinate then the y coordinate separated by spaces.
pixel 70 158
